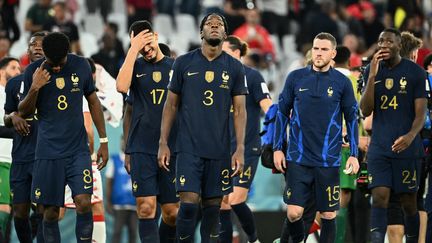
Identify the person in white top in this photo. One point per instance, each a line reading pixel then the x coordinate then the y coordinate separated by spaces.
pixel 9 68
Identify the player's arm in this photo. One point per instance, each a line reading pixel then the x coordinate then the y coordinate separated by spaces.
pixel 27 106
pixel 98 119
pixel 127 118
pixel 367 101
pixel 265 104
pixel 403 142
pixel 169 114
pixel 88 124
pixel 124 77
pixel 239 117
pixel 286 100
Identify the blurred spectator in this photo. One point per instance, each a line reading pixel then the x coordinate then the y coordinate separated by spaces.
pixel 212 6
pixel 138 10
pixel 275 17
pixel 400 13
pixel 234 14
pixel 371 25
pixel 191 7
pixel 353 44
pixel 120 201
pixel 111 29
pixel 61 24
pixel 8 24
pixel 5 45
pixel 38 14
pixel 105 7
pixel 107 55
pixel 165 7
pixel 255 35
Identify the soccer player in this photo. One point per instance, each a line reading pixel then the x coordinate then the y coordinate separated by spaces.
pixel 257 100
pixel 312 102
pixel 55 87
pixel 147 78
pixel 204 84
pixel 23 150
pixel 9 68
pixel 395 93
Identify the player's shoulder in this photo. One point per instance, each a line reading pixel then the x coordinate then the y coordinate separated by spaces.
pixel 300 72
pixel 338 76
pixel 252 74
pixel 32 66
pixel 14 82
pixel 411 66
pixel 189 56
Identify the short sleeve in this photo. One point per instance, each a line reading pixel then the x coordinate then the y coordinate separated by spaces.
pixel 420 90
pixel 240 81
pixel 258 87
pixel 89 84
pixel 12 99
pixel 176 77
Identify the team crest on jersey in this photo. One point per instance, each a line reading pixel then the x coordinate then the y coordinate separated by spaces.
pixel 209 76
pixel 75 80
pixel 403 83
pixel 389 83
pixel 225 78
pixel 60 83
pixel 330 91
pixel 134 186
pixel 37 193
pixel 288 193
pixel 182 180
pixel 157 76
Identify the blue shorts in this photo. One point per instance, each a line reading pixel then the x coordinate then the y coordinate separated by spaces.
pixel 303 181
pixel 207 177
pixel 150 180
pixel 52 175
pixel 21 176
pixel 246 177
pixel 398 174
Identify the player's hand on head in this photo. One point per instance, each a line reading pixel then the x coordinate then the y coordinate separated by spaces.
pixel 40 76
pixel 102 156
pixel 20 125
pixel 352 166
pixel 237 162
pixel 138 40
pixel 164 155
pixel 402 143
pixel 127 163
pixel 279 161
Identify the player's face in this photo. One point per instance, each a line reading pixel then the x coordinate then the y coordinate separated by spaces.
pixel 323 53
pixel 49 65
pixel 389 45
pixel 35 50
pixel 151 50
pixel 12 69
pixel 214 30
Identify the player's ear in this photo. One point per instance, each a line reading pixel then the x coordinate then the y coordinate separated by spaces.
pixel 334 52
pixel 201 34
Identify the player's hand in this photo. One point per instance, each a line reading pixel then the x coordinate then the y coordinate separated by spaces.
pixel 138 41
pixel 237 161
pixel 102 154
pixel 164 155
pixel 402 143
pixel 363 143
pixel 352 166
pixel 374 64
pixel 40 77
pixel 279 161
pixel 20 125
pixel 127 163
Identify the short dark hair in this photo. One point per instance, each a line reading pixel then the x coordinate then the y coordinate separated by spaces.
pixel 342 55
pixel 396 32
pixel 237 44
pixel 55 46
pixel 139 26
pixel 165 49
pixel 427 61
pixel 6 60
pixel 327 36
pixel 39 34
pixel 92 64
pixel 410 43
pixel 217 14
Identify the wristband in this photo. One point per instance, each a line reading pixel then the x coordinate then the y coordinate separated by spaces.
pixel 103 140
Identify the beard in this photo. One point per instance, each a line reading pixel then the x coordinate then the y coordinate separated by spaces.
pixel 321 64
pixel 213 41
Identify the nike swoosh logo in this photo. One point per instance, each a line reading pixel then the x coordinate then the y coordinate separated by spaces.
pixel 301 90
pixel 140 75
pixel 379 81
pixel 214 236
pixel 225 188
pixel 372 230
pixel 87 187
pixel 333 204
pixel 412 187
pixel 184 238
pixel 190 74
pixel 242 181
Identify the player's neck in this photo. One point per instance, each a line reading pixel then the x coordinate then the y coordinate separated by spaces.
pixel 211 52
pixel 393 62
pixel 159 56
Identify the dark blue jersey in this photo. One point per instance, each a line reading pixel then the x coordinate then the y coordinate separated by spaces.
pixel 258 91
pixel 394 111
pixel 313 103
pixel 147 96
pixel 59 108
pixel 206 89
pixel 23 150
